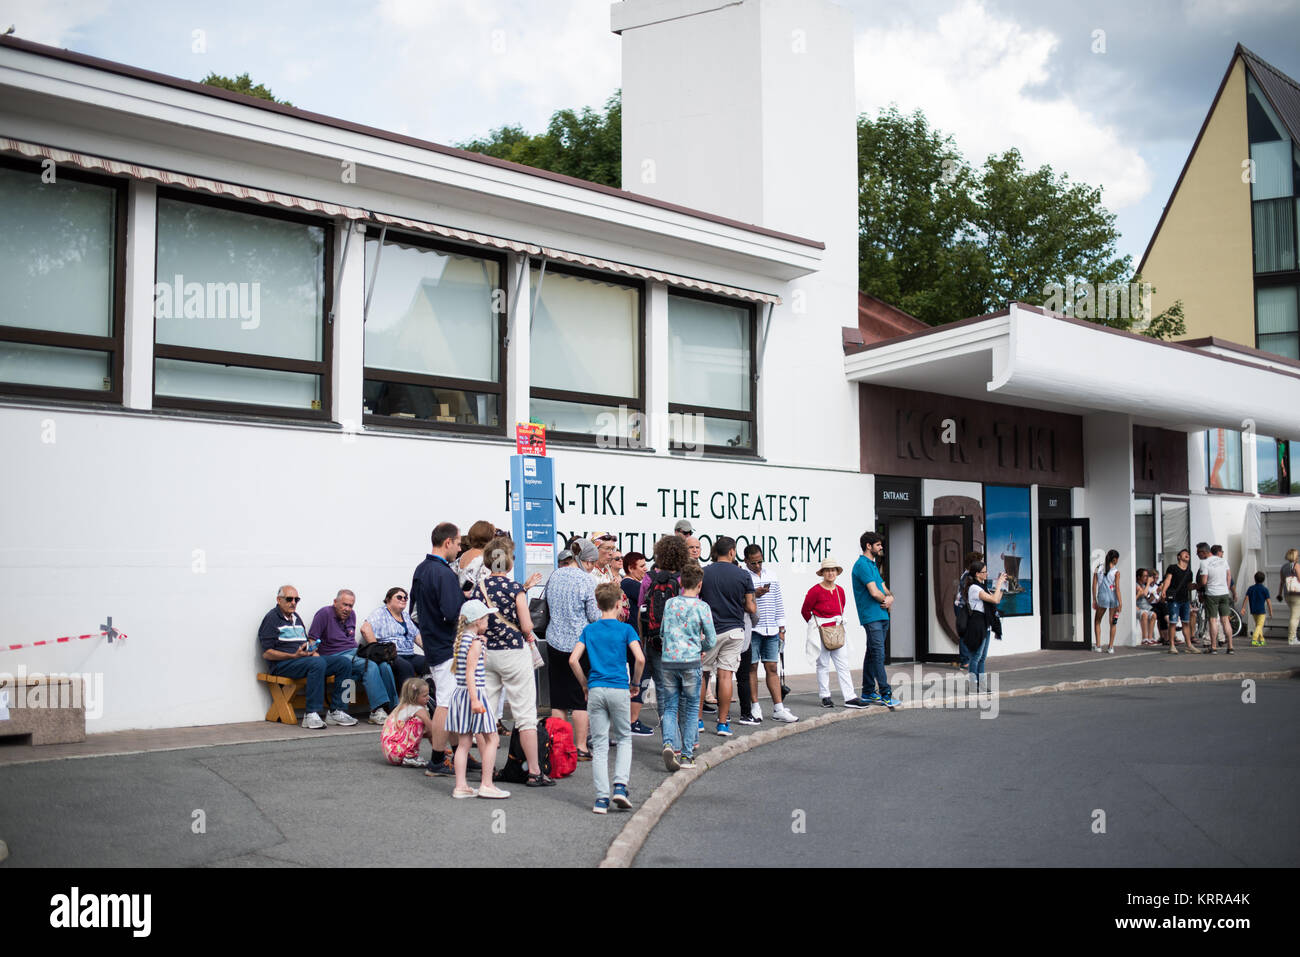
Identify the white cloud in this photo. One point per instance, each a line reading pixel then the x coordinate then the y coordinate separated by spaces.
pixel 451 52
pixel 49 21
pixel 974 76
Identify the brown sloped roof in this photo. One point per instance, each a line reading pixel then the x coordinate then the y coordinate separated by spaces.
pixel 878 321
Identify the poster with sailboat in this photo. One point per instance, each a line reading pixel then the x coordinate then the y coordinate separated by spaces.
pixel 1009 544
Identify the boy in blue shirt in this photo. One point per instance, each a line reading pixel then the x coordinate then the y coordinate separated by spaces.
pixel 609 694
pixel 1257 595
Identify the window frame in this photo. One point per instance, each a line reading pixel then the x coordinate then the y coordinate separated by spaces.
pixel 113 344
pixel 369 373
pixel 1274 280
pixel 322 367
pixel 1288 277
pixel 594 439
pixel 682 408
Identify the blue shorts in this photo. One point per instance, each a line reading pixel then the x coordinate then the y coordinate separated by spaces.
pixel 1179 612
pixel 764 647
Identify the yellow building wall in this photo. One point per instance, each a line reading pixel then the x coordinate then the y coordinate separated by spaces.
pixel 1202 252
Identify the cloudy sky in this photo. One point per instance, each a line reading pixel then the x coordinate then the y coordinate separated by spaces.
pixel 1117 108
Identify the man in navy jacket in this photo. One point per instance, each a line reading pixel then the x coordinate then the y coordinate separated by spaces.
pixel 436 598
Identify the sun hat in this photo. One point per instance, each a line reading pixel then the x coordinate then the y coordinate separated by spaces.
pixel 831 563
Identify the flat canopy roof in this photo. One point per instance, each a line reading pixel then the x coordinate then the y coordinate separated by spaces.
pixel 1026 356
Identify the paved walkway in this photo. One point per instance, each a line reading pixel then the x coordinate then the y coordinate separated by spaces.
pixel 289 797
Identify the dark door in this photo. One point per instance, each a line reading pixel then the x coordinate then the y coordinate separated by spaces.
pixel 1065 585
pixel 942 542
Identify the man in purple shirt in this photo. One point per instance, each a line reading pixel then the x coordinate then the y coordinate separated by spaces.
pixel 335 627
pixel 283 638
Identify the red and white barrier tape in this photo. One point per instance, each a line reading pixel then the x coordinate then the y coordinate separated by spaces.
pixel 57 641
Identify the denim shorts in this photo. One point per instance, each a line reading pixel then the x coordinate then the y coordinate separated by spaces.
pixel 765 648
pixel 1179 612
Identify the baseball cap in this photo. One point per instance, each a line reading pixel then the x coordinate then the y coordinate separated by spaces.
pixel 474 609
pixel 684 526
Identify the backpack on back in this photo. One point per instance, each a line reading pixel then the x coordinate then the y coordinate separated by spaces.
pixel 663 585
pixel 564 755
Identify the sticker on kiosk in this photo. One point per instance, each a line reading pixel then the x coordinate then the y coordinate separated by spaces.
pixel 530 438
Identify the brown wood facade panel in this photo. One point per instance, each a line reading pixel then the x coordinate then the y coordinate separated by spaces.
pixel 1159 461
pixel 926 435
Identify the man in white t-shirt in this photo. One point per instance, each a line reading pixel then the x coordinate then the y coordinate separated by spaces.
pixel 1217 597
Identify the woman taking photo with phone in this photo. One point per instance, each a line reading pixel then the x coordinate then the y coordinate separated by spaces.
pixel 976 638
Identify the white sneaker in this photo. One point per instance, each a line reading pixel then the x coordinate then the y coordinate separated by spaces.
pixel 312 720
pixel 782 713
pixel 756 711
pixel 340 717
pixel 378 716
pixel 1110 651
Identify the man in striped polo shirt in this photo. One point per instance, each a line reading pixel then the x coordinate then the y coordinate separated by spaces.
pixel 768 637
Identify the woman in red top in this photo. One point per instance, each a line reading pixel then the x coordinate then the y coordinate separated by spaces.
pixel 824 605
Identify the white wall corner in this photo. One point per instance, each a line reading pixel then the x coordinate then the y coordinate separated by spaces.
pixel 138 314
pixel 519 308
pixel 349 329
pixel 656 382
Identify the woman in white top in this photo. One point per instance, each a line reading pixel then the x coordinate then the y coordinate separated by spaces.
pixel 976 637
pixel 469 566
pixel 1106 599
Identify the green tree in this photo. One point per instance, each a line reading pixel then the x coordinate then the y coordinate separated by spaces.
pixel 242 84
pixel 586 144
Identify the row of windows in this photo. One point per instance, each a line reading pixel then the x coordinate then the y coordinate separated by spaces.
pixel 1273 460
pixel 1275 215
pixel 243 304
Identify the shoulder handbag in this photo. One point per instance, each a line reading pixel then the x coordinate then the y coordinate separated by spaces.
pixel 540 612
pixel 538 660
pixel 832 636
pixel 1292 582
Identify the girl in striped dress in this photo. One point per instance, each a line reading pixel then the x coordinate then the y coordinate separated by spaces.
pixel 470 714
pixel 408 724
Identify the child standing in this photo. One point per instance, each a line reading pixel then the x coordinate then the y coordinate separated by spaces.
pixel 408 724
pixel 1146 613
pixel 687 631
pixel 1260 606
pixel 609 694
pixel 470 713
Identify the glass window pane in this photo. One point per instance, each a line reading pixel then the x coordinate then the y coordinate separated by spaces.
pixel 1223 456
pixel 1276 310
pixel 239 282
pixel 604 421
pixel 1274 234
pixel 1144 532
pixel 56 254
pixel 1272 169
pixel 1286 345
pixel 432 312
pixel 203 380
pixel 1266 465
pixel 585 336
pixel 708 354
pixel 1175 531
pixel 23 364
pixel 698 430
pixel 431 404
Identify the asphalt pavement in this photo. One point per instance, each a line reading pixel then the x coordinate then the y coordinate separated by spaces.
pixel 1165 775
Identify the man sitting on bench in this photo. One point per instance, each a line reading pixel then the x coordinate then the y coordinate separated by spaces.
pixel 283 637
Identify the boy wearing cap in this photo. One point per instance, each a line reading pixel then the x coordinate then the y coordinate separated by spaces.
pixel 608 693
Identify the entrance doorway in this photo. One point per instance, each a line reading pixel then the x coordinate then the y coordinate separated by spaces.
pixel 1065 588
pixel 940 546
pixel 898 567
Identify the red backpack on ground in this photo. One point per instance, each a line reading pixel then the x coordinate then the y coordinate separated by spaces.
pixel 564 756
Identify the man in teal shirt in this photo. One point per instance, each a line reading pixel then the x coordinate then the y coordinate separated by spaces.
pixel 873 599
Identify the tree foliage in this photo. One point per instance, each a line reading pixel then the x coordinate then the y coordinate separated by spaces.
pixel 586 144
pixel 943 240
pixel 242 84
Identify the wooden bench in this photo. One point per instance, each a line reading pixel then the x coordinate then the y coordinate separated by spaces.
pixel 289 694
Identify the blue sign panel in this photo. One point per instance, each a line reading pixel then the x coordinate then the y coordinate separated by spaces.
pixel 532 514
